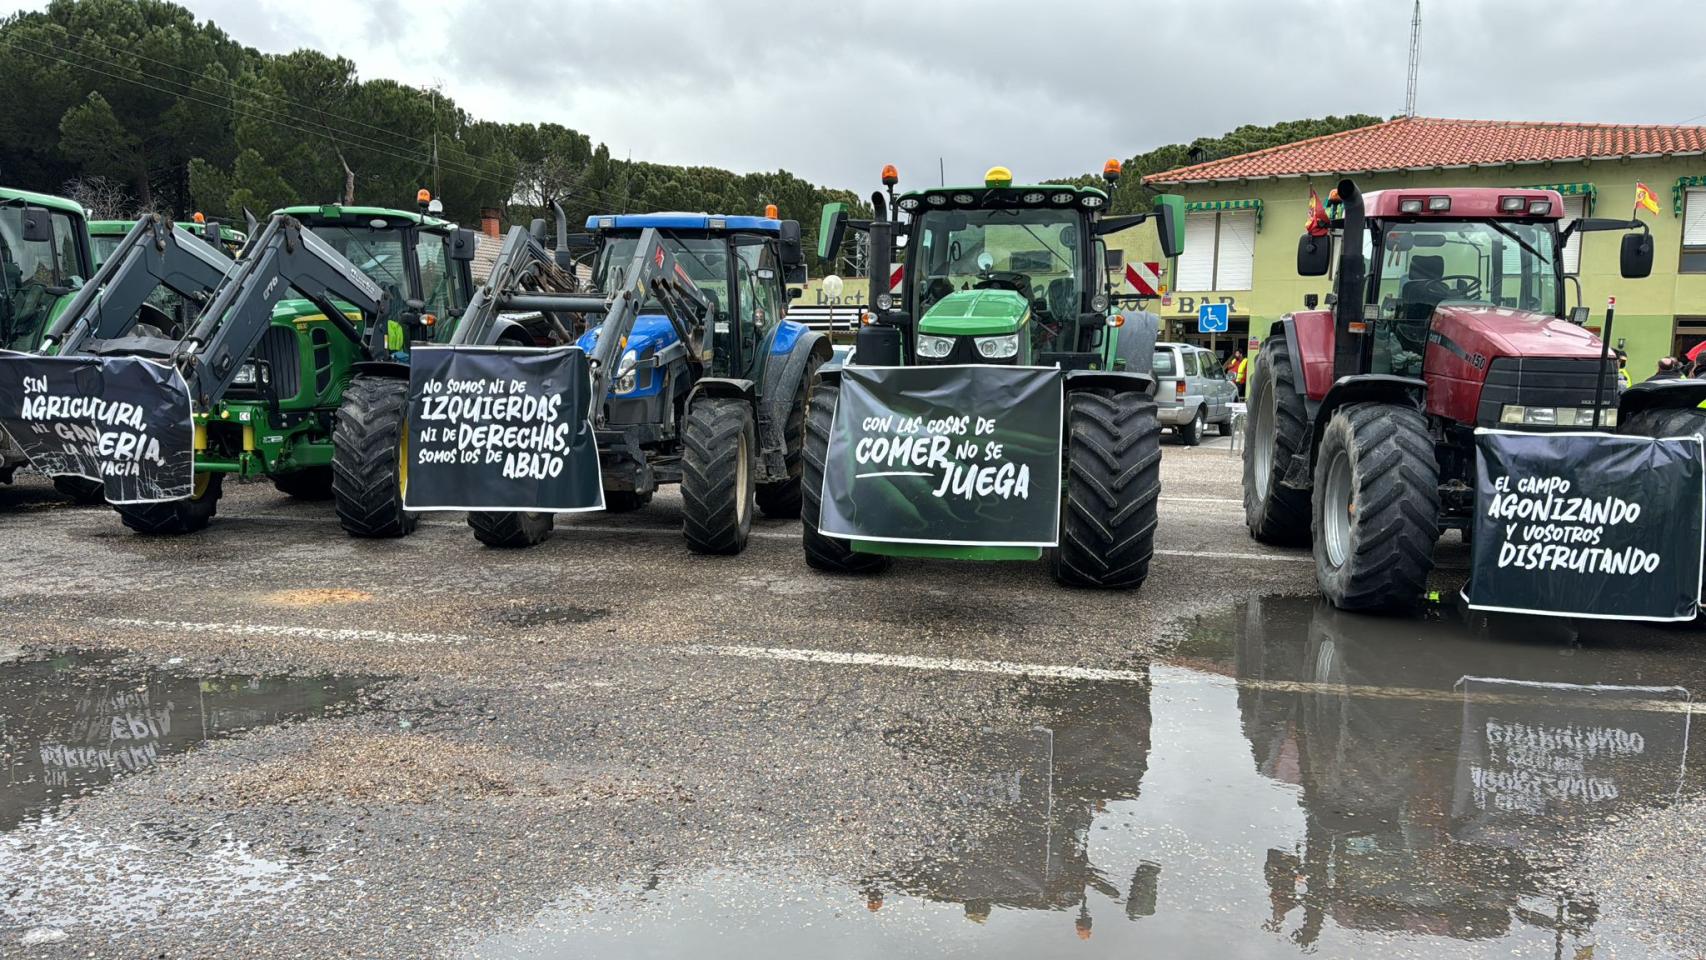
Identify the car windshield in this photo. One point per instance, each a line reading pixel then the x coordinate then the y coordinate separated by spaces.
pixel 1495 263
pixel 34 276
pixel 1031 250
pixel 705 258
pixel 377 251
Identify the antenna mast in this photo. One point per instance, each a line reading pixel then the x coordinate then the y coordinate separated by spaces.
pixel 1415 60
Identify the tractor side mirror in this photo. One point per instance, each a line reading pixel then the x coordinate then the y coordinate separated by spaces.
pixel 1636 257
pixel 831 230
pixel 795 293
pixel 38 225
pixel 1314 255
pixel 463 243
pixel 1169 223
pixel 789 241
pixel 536 230
pixel 1311 301
pixel 1113 259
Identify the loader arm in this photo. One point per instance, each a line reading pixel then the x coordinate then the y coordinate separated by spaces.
pixel 284 256
pixel 525 277
pixel 153 254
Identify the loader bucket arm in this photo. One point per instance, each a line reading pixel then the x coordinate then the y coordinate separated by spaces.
pixel 153 254
pixel 525 277
pixel 283 256
pixel 652 272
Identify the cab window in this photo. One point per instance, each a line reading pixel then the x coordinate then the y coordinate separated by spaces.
pixel 761 300
pixel 436 287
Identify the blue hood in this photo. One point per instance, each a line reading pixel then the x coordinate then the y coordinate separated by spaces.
pixel 652 332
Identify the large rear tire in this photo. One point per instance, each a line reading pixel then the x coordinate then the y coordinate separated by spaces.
pixel 781 499
pixel 830 554
pixel 1110 490
pixel 1376 508
pixel 718 470
pixel 176 517
pixel 1668 422
pixel 370 458
pixel 308 483
pixel 81 490
pixel 1276 426
pixel 509 531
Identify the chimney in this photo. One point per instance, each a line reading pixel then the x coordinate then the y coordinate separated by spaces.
pixel 489 221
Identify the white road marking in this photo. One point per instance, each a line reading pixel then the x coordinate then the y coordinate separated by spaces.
pixel 1233 555
pixel 332 634
pixel 910 662
pixel 1166 499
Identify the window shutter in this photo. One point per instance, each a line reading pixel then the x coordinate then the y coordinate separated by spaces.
pixel 1694 218
pixel 1196 263
pixel 1574 209
pixel 1237 259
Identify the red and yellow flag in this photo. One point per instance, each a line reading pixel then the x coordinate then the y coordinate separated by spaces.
pixel 1644 197
pixel 1319 224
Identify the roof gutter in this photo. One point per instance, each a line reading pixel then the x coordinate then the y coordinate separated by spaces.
pixel 1165 180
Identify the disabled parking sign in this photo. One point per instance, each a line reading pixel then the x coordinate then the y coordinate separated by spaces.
pixel 1213 317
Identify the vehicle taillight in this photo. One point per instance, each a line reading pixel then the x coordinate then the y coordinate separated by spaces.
pixel 1179 389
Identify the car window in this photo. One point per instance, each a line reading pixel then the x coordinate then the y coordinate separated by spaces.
pixel 1211 368
pixel 1163 366
pixel 1190 365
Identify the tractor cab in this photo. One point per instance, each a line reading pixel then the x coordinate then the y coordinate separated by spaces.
pixel 740 265
pixel 44 258
pixel 417 258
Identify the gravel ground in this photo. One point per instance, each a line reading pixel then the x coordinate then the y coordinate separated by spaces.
pixel 539 726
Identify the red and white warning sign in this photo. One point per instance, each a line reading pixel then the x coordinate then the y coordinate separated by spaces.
pixel 897 275
pixel 1144 277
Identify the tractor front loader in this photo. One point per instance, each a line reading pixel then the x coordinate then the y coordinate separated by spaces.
pixel 1447 315
pixel 696 377
pixel 1002 274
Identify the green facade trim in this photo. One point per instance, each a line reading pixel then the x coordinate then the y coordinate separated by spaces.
pixel 1201 206
pixel 1678 192
pixel 1572 190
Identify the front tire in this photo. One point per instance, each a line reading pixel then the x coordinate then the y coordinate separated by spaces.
pixel 175 517
pixel 511 530
pixel 370 451
pixel 82 491
pixel 830 554
pixel 1110 490
pixel 1276 428
pixel 1376 508
pixel 781 499
pixel 717 475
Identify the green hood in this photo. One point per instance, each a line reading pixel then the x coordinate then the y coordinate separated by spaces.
pixel 977 313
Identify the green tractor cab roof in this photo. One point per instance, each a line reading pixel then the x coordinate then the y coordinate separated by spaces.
pixel 41 200
pixel 986 195
pixel 118 228
pixel 976 313
pixel 335 213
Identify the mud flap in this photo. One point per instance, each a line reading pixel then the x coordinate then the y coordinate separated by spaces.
pixel 123 421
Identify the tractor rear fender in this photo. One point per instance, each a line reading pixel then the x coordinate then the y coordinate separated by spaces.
pixel 508 332
pixel 782 375
pixel 1361 388
pixel 380 368
pixel 1117 380
pixel 1660 394
pixel 722 387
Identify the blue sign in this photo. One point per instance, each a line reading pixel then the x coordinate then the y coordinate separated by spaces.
pixel 1213 317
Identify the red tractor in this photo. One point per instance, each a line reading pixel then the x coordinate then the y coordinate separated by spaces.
pixel 1447 314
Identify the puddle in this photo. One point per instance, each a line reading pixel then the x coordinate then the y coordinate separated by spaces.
pixel 72 723
pixel 1295 781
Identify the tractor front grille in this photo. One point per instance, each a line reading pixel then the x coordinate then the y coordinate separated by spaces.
pixel 278 349
pixel 1542 382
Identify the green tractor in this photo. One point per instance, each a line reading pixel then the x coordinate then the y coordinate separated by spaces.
pixel 1002 274
pixel 44 257
pixel 297 361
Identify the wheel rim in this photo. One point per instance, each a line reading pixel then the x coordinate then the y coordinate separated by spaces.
pixel 202 482
pixel 1202 419
pixel 1262 446
pixel 1337 509
pixel 740 484
pixel 403 463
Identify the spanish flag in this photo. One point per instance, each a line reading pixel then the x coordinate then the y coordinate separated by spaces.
pixel 1319 224
pixel 1644 197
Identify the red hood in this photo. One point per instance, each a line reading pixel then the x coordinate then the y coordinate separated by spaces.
pixel 1506 332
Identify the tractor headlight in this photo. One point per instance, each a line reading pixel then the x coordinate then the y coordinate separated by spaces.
pixel 934 348
pixel 626 381
pixel 1099 301
pixel 998 348
pixel 245 376
pixel 885 301
pixel 1517 414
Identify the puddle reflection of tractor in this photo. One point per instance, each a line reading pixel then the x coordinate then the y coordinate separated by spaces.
pixel 1391 749
pixel 1448 315
pixel 1024 841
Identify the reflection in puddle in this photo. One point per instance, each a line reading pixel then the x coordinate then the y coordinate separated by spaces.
pixel 74 722
pixel 1297 781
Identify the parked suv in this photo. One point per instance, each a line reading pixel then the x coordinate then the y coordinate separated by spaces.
pixel 1192 391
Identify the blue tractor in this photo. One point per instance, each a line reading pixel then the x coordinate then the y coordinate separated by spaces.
pixel 706 388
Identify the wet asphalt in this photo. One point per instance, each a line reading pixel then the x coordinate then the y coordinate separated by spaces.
pixel 270 740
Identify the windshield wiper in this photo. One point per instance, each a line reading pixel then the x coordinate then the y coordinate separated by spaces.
pixel 1507 231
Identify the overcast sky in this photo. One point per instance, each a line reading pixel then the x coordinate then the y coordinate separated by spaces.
pixel 831 91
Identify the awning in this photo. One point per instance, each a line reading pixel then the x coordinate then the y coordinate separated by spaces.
pixel 1681 189
pixel 1200 206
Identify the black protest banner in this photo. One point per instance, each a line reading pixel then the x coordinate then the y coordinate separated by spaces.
pixel 1546 750
pixel 501 428
pixel 124 421
pixel 1588 525
pixel 960 455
